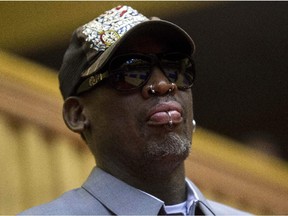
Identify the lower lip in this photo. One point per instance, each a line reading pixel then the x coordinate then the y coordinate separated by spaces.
pixel 163 118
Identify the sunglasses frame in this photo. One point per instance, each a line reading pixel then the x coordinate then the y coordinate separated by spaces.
pixel 95 79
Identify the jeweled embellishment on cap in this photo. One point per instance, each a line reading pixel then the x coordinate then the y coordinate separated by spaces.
pixel 106 29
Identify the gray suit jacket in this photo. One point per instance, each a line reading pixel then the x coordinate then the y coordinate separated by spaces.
pixel 103 194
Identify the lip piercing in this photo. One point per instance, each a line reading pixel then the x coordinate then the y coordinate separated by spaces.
pixel 170 122
pixel 152 89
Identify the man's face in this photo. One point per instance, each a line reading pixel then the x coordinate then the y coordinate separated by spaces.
pixel 132 129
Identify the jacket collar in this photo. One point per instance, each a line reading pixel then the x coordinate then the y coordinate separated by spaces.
pixel 200 200
pixel 120 198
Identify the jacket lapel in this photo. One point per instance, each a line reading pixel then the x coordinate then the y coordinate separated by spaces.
pixel 118 196
pixel 200 204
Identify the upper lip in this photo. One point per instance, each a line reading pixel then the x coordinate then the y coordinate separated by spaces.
pixel 165 107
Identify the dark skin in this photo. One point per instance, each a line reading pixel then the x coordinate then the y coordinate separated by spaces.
pixel 148 157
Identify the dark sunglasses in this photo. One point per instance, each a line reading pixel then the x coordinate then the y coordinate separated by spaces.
pixel 132 71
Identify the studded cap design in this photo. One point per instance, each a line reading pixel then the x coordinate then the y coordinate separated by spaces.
pixel 110 26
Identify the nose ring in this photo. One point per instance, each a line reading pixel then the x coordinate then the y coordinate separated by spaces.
pixel 172 87
pixel 152 89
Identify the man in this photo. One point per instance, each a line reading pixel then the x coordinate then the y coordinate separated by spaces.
pixel 126 81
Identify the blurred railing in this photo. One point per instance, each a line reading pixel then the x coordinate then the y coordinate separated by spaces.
pixel 40 158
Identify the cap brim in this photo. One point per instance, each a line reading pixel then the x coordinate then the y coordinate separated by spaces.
pixel 155 28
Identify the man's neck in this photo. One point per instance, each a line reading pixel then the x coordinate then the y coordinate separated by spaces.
pixel 167 185
pixel 171 188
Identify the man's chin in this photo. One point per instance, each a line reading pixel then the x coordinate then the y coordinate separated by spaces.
pixel 163 165
pixel 172 148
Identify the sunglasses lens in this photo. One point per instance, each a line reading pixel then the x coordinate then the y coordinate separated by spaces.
pixel 129 72
pixel 178 69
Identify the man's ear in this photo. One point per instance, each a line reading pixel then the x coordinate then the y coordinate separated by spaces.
pixel 73 114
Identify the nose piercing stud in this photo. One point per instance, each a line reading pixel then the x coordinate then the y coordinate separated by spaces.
pixel 172 87
pixel 152 89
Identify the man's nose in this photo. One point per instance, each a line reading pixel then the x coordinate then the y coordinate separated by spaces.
pixel 158 84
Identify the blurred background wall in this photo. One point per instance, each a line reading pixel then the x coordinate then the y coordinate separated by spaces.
pixel 241 94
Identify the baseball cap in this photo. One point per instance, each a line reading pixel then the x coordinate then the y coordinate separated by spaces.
pixel 93 44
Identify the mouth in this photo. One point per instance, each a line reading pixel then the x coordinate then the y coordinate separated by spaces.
pixel 165 113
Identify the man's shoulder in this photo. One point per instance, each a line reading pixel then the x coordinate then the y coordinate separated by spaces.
pixel 77 201
pixel 221 209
